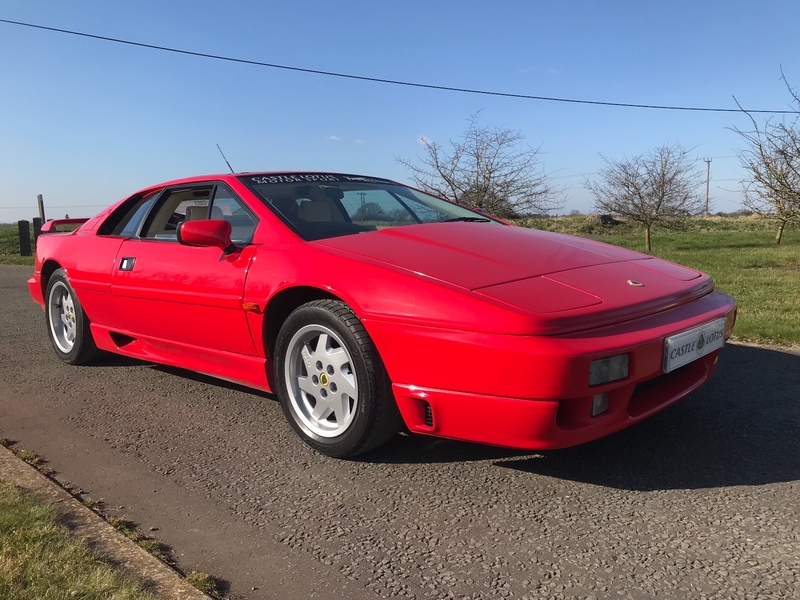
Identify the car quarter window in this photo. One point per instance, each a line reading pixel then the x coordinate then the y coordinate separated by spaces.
pixel 126 219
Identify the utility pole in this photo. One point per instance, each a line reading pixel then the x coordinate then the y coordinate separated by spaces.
pixel 708 181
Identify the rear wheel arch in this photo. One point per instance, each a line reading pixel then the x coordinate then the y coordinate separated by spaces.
pixel 48 268
pixel 67 324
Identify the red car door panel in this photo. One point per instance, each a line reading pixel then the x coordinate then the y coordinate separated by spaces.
pixel 189 295
pixel 90 276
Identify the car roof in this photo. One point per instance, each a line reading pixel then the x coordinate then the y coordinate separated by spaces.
pixel 227 177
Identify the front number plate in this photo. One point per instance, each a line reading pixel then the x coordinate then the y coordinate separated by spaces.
pixel 683 348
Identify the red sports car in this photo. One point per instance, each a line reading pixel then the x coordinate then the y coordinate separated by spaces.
pixel 367 305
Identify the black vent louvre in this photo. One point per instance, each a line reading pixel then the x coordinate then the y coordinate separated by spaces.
pixel 428 415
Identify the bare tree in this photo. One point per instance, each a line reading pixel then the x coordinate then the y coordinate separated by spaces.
pixel 371 211
pixel 656 188
pixel 488 168
pixel 772 161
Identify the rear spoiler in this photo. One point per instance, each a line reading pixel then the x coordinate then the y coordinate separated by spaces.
pixel 50 226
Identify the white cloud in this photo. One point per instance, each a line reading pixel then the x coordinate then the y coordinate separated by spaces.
pixel 359 142
pixel 334 138
pixel 424 140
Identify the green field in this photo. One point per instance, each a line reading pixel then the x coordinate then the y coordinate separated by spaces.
pixel 9 246
pixel 738 252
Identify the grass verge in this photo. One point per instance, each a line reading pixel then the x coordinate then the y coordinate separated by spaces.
pixel 204 582
pixel 16 260
pixel 40 560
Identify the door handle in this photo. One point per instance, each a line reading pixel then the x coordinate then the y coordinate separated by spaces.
pixel 126 264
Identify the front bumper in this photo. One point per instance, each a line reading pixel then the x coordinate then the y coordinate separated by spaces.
pixel 543 424
pixel 532 392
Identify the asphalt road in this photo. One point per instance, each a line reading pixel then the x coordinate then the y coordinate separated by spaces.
pixel 700 501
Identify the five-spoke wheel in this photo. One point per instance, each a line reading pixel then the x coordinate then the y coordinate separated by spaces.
pixel 320 380
pixel 331 382
pixel 62 316
pixel 67 324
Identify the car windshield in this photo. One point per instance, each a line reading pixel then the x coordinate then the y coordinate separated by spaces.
pixel 321 205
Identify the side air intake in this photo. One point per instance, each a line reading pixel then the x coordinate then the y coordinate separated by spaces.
pixel 428 415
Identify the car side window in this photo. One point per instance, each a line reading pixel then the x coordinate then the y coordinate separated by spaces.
pixel 173 208
pixel 228 207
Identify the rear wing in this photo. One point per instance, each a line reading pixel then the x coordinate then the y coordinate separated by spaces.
pixel 50 226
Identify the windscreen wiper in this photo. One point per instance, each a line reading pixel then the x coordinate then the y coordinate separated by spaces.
pixel 467 220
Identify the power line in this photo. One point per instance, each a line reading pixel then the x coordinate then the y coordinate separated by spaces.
pixel 392 81
pixel 75 206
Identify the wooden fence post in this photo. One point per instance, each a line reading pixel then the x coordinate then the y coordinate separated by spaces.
pixel 24 238
pixel 37 229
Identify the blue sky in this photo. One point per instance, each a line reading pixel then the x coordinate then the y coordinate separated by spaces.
pixel 86 122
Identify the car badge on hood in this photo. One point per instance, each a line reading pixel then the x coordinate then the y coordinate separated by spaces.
pixel 635 283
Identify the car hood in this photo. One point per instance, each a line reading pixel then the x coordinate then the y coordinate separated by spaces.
pixel 566 283
pixel 476 255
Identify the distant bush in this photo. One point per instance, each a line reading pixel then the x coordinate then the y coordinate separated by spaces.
pixel 592 226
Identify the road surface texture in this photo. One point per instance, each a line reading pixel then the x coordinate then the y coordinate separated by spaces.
pixel 700 501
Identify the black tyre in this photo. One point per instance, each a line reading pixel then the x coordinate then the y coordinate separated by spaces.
pixel 331 382
pixel 67 324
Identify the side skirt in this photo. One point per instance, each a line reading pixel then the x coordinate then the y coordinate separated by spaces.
pixel 250 371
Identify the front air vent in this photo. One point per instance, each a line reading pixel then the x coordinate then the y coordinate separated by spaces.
pixel 120 339
pixel 428 415
pixel 665 389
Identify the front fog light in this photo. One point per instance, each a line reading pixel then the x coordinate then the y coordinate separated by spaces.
pixel 599 404
pixel 605 370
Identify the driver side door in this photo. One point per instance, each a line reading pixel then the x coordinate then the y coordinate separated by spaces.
pixel 182 296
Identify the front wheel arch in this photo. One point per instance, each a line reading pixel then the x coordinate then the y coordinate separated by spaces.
pixel 284 303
